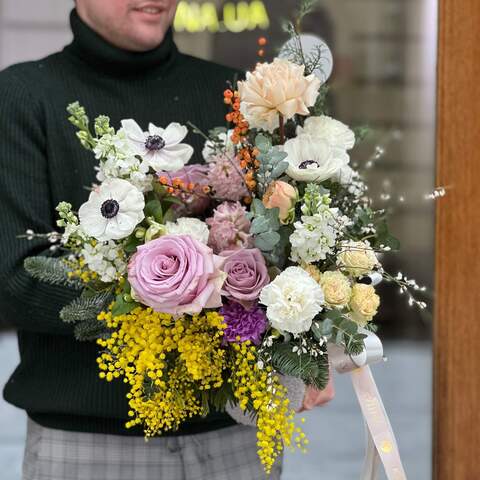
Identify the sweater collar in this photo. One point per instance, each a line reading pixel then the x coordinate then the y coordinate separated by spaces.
pixel 91 48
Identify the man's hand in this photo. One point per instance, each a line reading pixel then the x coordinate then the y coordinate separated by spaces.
pixel 315 398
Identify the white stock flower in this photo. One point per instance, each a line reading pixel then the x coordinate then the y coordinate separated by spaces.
pixel 335 133
pixel 357 258
pixel 313 160
pixel 193 227
pixel 106 260
pixel 161 148
pixel 315 235
pixel 113 210
pixel 118 160
pixel 293 300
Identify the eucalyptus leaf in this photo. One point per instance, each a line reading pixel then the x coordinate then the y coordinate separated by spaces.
pixel 267 241
pixel 279 169
pixel 259 225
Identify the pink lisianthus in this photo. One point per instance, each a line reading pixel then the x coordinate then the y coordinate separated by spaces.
pixel 177 275
pixel 246 275
pixel 229 228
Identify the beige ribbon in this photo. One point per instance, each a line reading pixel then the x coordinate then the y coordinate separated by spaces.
pixel 381 444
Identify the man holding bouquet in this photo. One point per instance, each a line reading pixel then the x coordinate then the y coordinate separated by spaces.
pixel 122 61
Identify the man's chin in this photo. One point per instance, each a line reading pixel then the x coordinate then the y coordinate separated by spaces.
pixel 145 42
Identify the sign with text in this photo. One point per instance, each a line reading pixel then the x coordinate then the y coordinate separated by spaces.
pixel 236 17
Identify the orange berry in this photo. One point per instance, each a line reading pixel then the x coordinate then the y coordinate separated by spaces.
pixel 191 186
pixel 170 190
pixel 262 41
pixel 228 93
pixel 261 52
pixel 247 200
pixel 163 180
pixel 206 189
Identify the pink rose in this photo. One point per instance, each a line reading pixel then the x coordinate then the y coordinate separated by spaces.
pixel 229 228
pixel 284 196
pixel 176 275
pixel 246 275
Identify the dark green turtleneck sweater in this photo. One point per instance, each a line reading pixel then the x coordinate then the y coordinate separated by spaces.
pixel 41 164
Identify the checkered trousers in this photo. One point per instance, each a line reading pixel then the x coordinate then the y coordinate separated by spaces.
pixel 225 454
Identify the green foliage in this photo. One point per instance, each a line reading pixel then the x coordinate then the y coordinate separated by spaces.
pixel 154 209
pixel 220 397
pixel 305 8
pixel 313 371
pixel 361 132
pixel 51 270
pixel 79 119
pixel 321 107
pixel 384 237
pixel 341 330
pixel 90 330
pixel 265 226
pixel 83 312
pixel 272 162
pixel 86 307
pixel 123 304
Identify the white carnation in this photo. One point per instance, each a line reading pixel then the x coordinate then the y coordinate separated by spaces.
pixel 293 300
pixel 105 259
pixel 193 227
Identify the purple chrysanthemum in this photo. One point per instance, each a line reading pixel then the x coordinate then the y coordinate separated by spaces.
pixel 243 323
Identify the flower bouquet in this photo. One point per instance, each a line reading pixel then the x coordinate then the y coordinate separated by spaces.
pixel 204 284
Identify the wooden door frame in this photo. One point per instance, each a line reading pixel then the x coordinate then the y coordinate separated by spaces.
pixel 457 294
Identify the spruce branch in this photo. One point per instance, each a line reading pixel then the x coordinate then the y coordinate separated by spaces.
pixel 51 270
pixel 86 308
pixel 90 330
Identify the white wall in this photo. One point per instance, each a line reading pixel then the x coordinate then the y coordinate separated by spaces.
pixel 31 29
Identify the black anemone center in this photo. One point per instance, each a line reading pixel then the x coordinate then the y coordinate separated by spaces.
pixel 154 142
pixel 110 208
pixel 306 163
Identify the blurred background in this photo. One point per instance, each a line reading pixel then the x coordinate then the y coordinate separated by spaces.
pixel 384 77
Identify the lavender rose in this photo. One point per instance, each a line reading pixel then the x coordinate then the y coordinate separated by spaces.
pixel 176 275
pixel 246 275
pixel 242 323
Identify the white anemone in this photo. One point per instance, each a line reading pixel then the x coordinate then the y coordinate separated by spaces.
pixel 313 160
pixel 161 148
pixel 113 210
